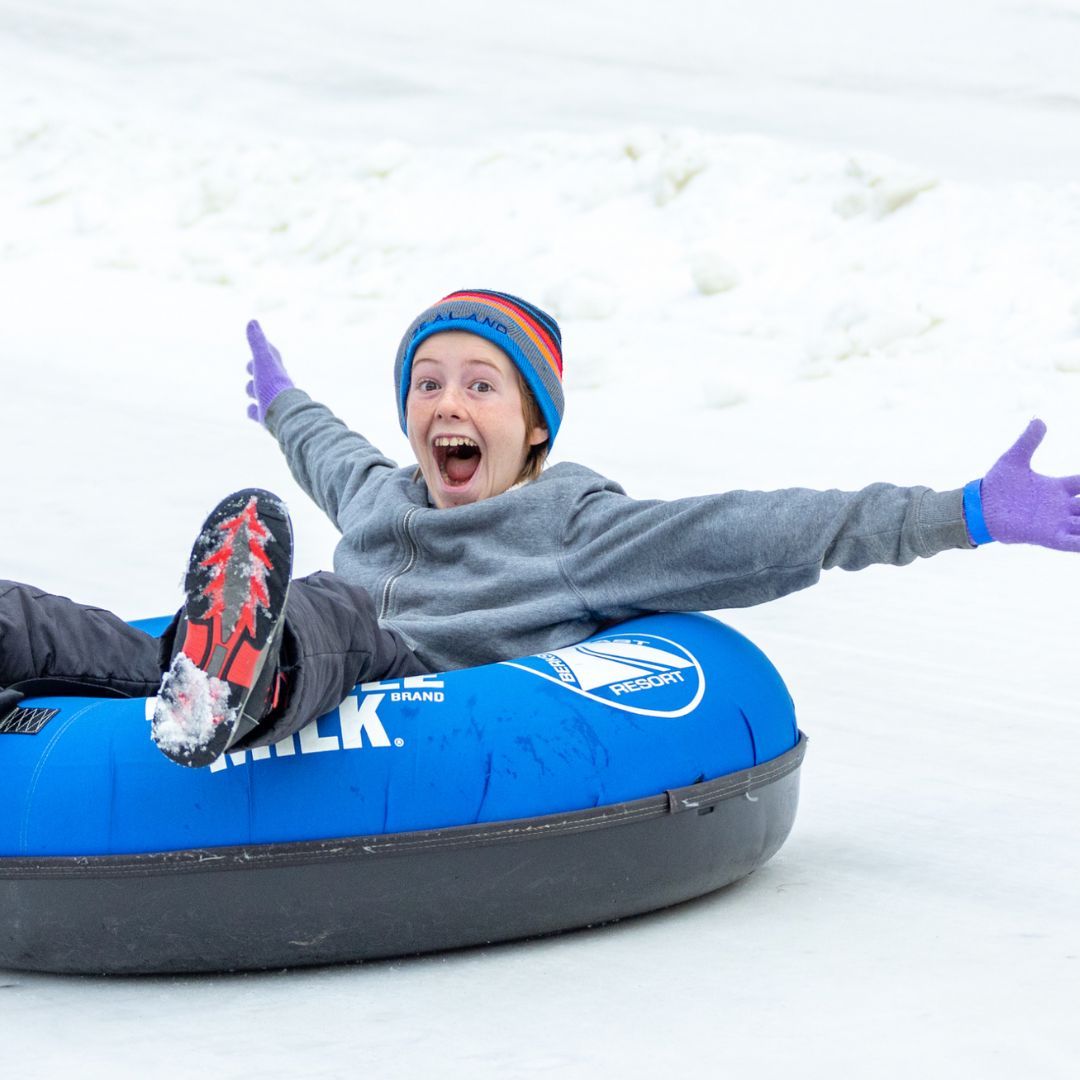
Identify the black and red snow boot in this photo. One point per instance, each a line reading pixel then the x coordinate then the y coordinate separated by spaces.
pixel 223 676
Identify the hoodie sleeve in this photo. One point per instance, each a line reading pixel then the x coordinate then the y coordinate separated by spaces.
pixel 625 556
pixel 330 462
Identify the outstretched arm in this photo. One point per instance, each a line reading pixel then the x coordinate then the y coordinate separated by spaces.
pixel 1017 505
pixel 330 462
pixel 624 556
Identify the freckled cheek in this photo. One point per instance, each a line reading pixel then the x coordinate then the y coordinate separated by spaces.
pixel 417 416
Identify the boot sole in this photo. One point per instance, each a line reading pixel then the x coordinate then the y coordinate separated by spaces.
pixel 237 585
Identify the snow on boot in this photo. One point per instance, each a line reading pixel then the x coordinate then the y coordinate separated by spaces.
pixel 222 678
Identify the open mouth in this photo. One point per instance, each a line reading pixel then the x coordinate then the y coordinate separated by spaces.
pixel 458 458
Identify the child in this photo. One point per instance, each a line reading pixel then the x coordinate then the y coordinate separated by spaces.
pixel 477 555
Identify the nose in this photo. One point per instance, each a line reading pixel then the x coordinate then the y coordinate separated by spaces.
pixel 449 404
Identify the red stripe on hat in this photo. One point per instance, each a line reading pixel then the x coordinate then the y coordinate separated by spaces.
pixel 540 337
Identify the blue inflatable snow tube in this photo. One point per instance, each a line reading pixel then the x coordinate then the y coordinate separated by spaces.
pixel 656 704
pixel 646 720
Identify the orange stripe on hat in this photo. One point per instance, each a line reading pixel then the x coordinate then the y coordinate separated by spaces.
pixel 533 329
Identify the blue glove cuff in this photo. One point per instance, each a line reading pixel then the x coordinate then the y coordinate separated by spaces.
pixel 973 514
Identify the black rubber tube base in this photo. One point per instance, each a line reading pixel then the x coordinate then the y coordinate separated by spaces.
pixel 366 898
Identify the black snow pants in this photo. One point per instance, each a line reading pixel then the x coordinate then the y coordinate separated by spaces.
pixel 331 640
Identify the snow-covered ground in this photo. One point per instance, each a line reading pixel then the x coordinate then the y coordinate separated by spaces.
pixel 788 244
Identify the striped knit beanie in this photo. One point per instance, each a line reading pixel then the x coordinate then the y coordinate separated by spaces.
pixel 529 336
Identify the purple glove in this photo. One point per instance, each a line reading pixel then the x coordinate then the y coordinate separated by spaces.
pixel 1023 507
pixel 270 376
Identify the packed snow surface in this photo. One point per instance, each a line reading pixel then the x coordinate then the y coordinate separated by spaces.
pixel 788 244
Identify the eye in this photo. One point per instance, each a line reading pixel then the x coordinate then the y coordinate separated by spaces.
pixel 483 386
pixel 426 383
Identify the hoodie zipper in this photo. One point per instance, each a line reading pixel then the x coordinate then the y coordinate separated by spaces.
pixel 410 562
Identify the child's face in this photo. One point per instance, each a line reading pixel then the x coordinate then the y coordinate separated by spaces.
pixel 464 388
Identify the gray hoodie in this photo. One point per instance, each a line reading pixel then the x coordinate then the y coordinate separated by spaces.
pixel 546 564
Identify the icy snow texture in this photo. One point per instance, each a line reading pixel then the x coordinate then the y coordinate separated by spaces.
pixel 190 707
pixel 895 185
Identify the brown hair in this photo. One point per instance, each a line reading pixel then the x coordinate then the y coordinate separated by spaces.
pixel 534 418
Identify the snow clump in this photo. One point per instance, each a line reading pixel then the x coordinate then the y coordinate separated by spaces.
pixel 712 273
pixel 190 707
